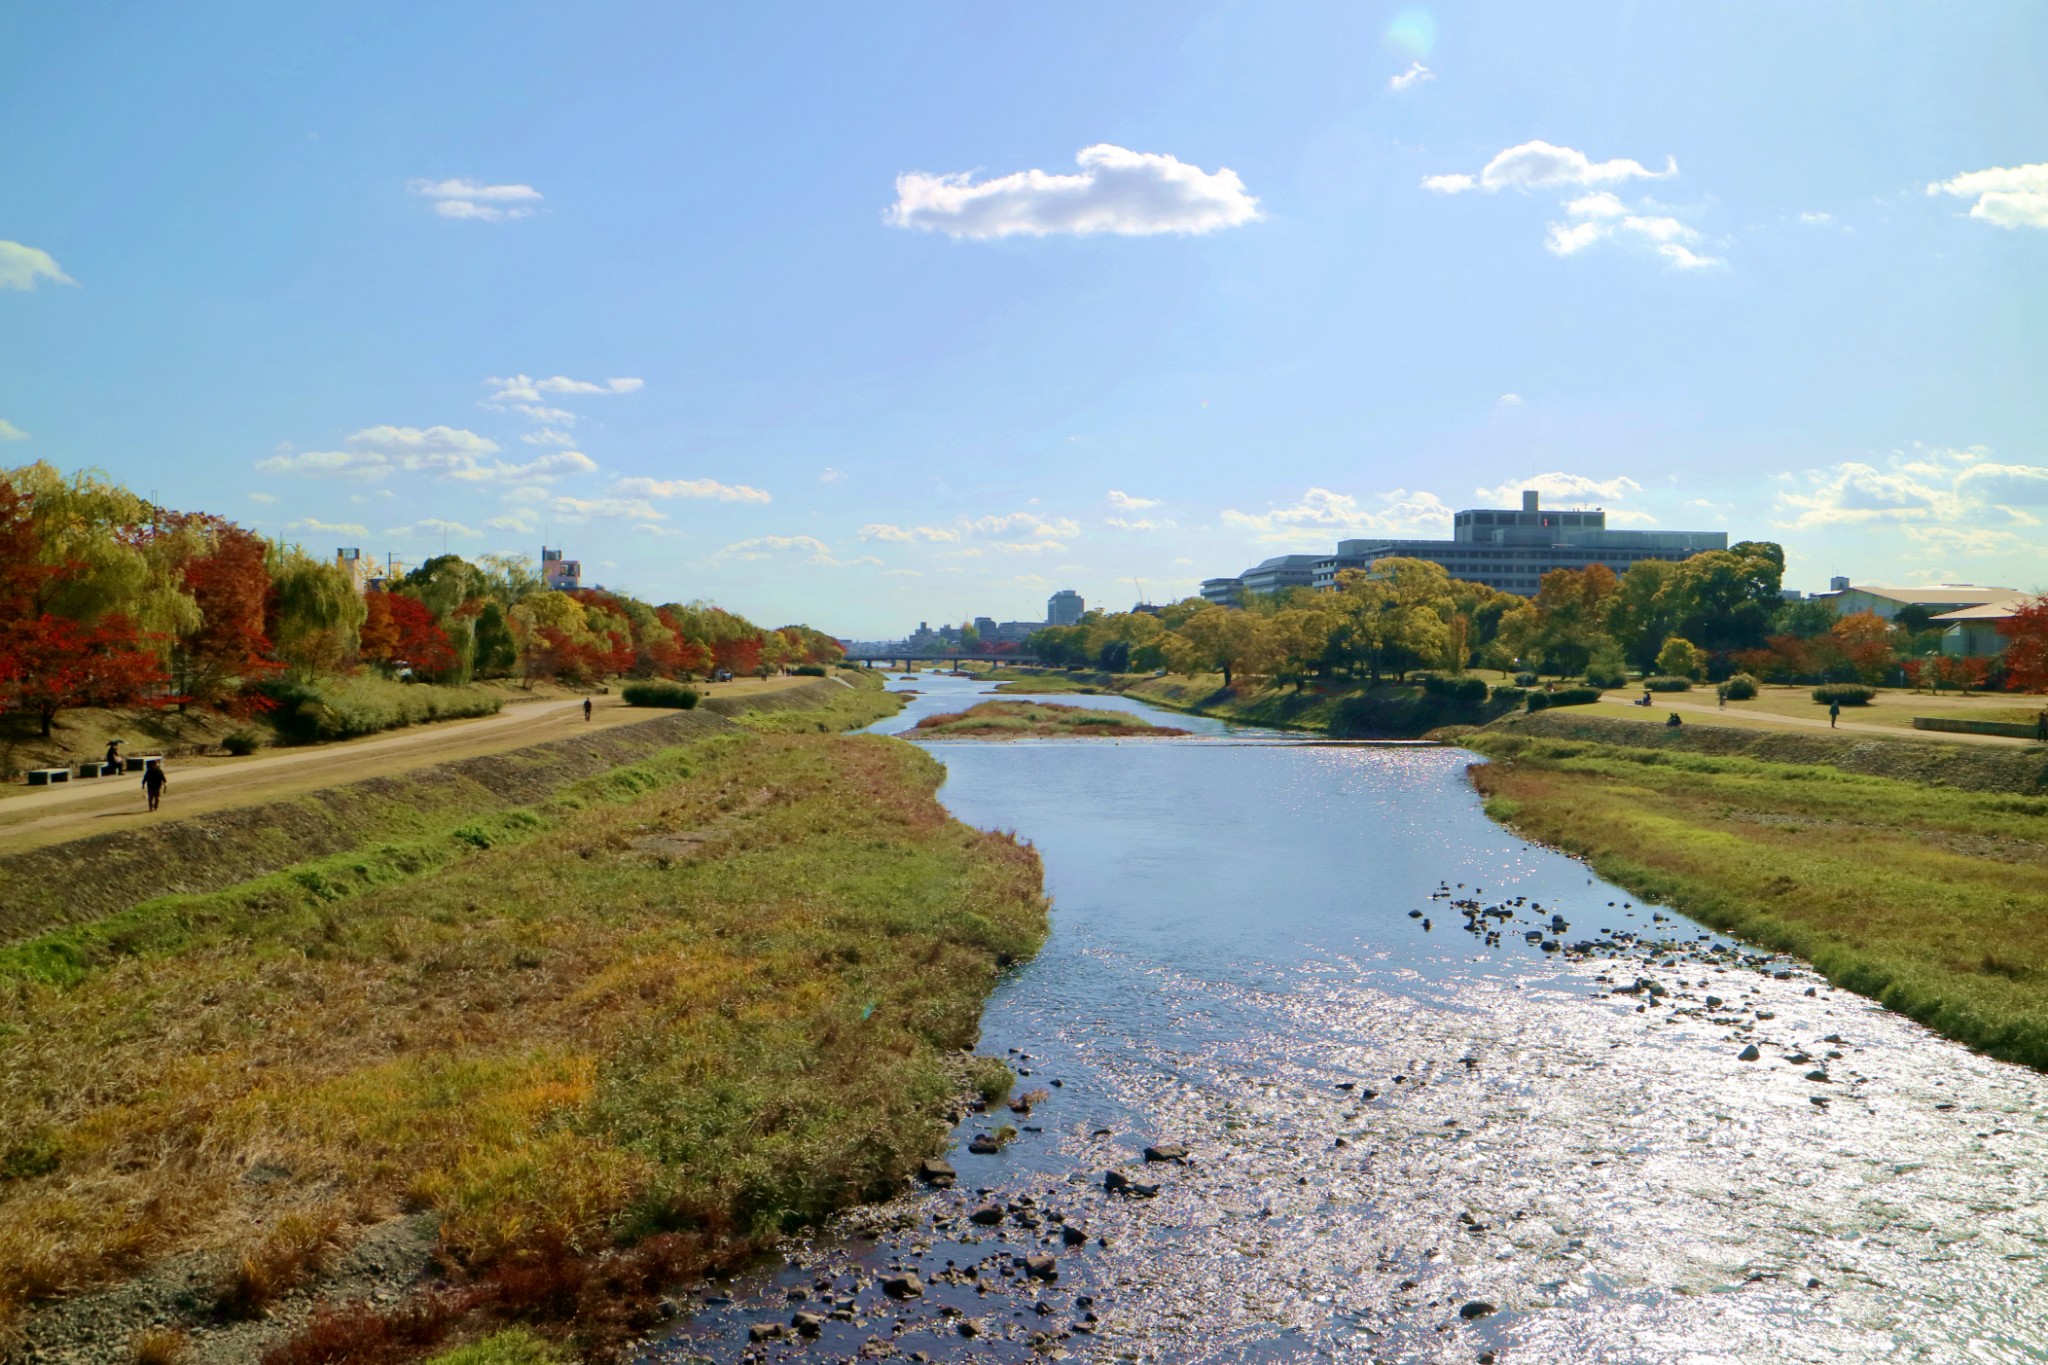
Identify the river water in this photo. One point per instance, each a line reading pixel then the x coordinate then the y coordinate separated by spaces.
pixel 1410 1140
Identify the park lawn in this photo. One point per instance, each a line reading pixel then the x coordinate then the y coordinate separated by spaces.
pixel 1930 899
pixel 1035 720
pixel 714 996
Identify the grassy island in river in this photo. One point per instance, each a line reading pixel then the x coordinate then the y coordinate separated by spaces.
pixel 1035 720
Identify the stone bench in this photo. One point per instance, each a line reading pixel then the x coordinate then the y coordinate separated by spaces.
pixel 43 777
pixel 97 769
pixel 137 762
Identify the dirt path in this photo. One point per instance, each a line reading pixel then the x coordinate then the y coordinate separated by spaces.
pixel 1766 720
pixel 35 817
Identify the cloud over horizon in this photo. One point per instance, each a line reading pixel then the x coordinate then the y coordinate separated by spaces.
pixel 22 267
pixel 460 198
pixel 1118 191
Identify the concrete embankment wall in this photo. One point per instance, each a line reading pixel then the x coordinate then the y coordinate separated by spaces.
pixel 1968 767
pixel 88 879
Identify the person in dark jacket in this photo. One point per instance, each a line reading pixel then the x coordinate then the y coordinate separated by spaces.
pixel 586 708
pixel 154 780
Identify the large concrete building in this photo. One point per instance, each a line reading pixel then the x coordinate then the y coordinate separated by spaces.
pixel 562 575
pixel 1512 549
pixel 1064 608
pixel 1269 576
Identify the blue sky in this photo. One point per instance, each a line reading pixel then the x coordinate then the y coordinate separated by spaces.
pixel 869 314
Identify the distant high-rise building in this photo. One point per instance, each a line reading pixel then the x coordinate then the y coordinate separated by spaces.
pixel 561 575
pixel 1064 608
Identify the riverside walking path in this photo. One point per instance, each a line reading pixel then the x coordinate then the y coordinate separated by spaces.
pixel 35 817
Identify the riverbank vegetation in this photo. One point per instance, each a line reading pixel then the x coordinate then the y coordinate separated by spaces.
pixel 1709 618
pixel 1931 899
pixel 1036 720
pixel 624 1036
pixel 108 600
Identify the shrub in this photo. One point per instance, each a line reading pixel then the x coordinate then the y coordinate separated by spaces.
pixel 1668 684
pixel 240 743
pixel 342 708
pixel 659 693
pixel 1563 696
pixel 1525 679
pixel 1510 696
pixel 1741 687
pixel 1606 675
pixel 1844 694
pixel 1455 687
pixel 809 670
pixel 1680 657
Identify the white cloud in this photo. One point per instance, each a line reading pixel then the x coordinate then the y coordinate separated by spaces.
pixel 1603 217
pixel 376 452
pixel 648 529
pixel 1815 218
pixel 1539 165
pixel 690 488
pixel 831 475
pixel 1510 400
pixel 334 528
pixel 806 549
pixel 520 520
pixel 548 436
pixel 1942 498
pixel 542 414
pixel 1415 75
pixel 460 198
pixel 1028 523
pixel 2007 196
pixel 524 388
pixel 265 498
pixel 938 535
pixel 620 509
pixel 22 267
pixel 11 432
pixel 1322 515
pixel 1117 191
pixel 1140 524
pixel 1129 503
pixel 1560 486
pixel 435 526
pixel 556 465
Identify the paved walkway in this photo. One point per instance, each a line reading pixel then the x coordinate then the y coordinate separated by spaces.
pixel 33 817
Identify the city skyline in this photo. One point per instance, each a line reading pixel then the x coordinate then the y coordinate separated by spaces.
pixel 872 320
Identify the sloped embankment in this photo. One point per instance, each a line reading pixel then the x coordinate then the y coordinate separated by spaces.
pixel 90 879
pixel 1965 767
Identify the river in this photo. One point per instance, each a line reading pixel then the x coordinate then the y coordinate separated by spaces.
pixel 1408 1140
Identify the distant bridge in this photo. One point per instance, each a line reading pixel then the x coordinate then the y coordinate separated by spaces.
pixel 897 658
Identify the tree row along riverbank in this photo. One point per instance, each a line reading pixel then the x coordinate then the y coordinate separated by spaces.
pixel 541 1063
pixel 1389 711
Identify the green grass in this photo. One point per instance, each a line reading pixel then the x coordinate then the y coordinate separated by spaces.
pixel 1932 900
pixel 513 1346
pixel 711 996
pixel 1390 711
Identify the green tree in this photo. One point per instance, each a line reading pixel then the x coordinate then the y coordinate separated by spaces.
pixel 317 611
pixel 1680 658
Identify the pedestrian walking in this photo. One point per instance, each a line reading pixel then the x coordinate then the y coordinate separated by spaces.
pixel 2041 726
pixel 154 780
pixel 1834 711
pixel 586 708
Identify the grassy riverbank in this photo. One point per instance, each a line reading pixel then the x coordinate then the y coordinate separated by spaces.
pixel 614 1039
pixel 1036 720
pixel 1932 899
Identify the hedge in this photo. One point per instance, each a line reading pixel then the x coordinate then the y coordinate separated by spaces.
pixel 1668 684
pixel 1563 696
pixel 1457 686
pixel 659 693
pixel 1844 694
pixel 1740 687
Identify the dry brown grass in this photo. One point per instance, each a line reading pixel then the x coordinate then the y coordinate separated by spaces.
pixel 160 1346
pixel 552 1043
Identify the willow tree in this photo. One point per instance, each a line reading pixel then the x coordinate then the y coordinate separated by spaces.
pixel 316 612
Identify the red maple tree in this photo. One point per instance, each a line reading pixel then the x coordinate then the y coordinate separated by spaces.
pixel 400 632
pixel 2026 656
pixel 51 662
